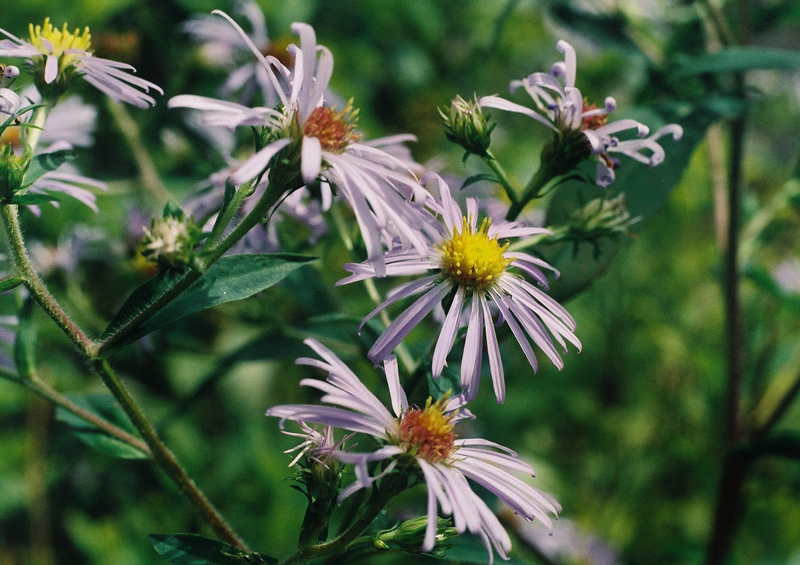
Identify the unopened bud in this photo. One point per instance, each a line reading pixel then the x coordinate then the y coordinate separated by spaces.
pixel 169 241
pixel 410 535
pixel 467 126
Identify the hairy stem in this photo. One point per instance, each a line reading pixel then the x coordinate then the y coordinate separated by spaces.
pixel 34 283
pixel 47 392
pixel 148 173
pixel 164 457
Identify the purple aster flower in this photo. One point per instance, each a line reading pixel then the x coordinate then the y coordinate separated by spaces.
pixel 561 107
pixel 59 53
pixel 468 264
pixel 321 144
pixel 425 440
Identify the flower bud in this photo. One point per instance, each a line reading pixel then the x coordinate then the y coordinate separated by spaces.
pixel 170 240
pixel 467 126
pixel 12 172
pixel 410 535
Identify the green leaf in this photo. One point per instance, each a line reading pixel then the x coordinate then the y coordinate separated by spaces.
pixel 732 59
pixel 31 198
pixel 107 408
pixel 477 178
pixel 192 549
pixel 142 298
pixel 25 342
pixel 647 188
pixel 42 164
pixel 231 278
pixel 9 283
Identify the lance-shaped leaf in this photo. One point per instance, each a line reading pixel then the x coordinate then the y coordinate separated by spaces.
pixel 192 549
pixel 44 163
pixel 231 278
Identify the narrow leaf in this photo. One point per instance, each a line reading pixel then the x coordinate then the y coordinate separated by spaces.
pixel 142 298
pixel 234 277
pixel 107 408
pixel 231 278
pixel 44 163
pixel 33 198
pixel 477 178
pixel 192 549
pixel 25 342
pixel 9 282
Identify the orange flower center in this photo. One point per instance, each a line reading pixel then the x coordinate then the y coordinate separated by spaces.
pixel 427 432
pixel 333 129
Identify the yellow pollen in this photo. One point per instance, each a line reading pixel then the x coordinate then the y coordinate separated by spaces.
pixel 333 129
pixel 61 40
pixel 472 259
pixel 427 432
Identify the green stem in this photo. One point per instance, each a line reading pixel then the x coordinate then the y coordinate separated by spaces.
pixel 34 283
pixel 148 173
pixel 506 182
pixel 533 190
pixel 32 134
pixel 225 219
pixel 49 393
pixel 164 457
pixel 196 270
pixel 390 486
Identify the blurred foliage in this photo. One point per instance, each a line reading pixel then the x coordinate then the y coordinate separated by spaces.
pixel 627 436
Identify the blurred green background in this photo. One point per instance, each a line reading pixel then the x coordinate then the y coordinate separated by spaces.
pixel 628 437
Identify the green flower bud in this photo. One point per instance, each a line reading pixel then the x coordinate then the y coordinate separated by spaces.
pixel 12 172
pixel 410 535
pixel 467 126
pixel 170 240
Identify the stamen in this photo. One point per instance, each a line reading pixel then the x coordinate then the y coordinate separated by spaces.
pixel 473 259
pixel 333 129
pixel 428 432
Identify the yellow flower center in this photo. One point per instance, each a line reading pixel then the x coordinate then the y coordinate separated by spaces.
pixel 61 40
pixel 333 129
pixel 427 432
pixel 474 259
pixel 592 122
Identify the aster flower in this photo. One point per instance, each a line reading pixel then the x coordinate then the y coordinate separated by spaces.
pixel 581 128
pixel 59 53
pixel 311 142
pixel 222 45
pixel 423 440
pixel 469 265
